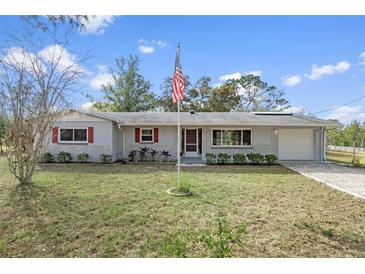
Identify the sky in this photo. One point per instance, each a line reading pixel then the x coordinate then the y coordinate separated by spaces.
pixel 319 61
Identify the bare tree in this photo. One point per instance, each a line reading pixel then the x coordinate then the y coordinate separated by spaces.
pixel 37 76
pixel 2 134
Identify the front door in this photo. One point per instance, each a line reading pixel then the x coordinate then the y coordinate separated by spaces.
pixel 191 142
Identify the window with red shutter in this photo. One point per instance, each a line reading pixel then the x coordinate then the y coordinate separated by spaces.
pixel 136 135
pixel 90 134
pixel 155 135
pixel 55 135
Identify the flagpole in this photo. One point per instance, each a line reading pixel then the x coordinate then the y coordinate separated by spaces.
pixel 178 121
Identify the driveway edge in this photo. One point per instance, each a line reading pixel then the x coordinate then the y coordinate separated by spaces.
pixel 324 182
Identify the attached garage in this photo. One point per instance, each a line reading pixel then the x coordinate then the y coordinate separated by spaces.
pixel 296 144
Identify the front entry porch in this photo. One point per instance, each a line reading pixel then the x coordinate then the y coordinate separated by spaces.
pixel 192 160
pixel 191 143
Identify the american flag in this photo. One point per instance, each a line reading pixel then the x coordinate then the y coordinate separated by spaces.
pixel 178 75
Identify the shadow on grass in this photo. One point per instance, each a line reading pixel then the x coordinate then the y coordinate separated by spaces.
pixel 44 213
pixel 24 196
pixel 155 168
pixel 32 199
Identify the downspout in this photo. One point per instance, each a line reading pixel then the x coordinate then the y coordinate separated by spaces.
pixel 324 143
pixel 123 140
pixel 123 144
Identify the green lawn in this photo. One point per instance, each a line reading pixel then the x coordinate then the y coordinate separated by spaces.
pixel 124 211
pixel 343 157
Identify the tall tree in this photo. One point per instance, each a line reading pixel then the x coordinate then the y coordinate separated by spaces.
pixel 335 135
pixel 257 95
pixel 35 80
pixel 199 95
pixel 165 103
pixel 223 99
pixel 128 90
pixel 352 134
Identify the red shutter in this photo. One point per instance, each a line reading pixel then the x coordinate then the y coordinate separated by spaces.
pixel 155 135
pixel 55 135
pixel 136 135
pixel 90 134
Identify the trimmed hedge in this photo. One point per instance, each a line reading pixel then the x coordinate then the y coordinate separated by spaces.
pixel 223 158
pixel 64 157
pixel 83 157
pixel 211 158
pixel 241 159
pixel 271 159
pixel 105 158
pixel 256 158
pixel 47 157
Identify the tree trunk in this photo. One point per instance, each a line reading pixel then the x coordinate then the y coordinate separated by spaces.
pixel 27 180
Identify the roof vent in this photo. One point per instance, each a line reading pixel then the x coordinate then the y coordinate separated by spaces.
pixel 192 111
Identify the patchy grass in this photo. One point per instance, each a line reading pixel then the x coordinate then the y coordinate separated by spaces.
pixel 123 211
pixel 343 157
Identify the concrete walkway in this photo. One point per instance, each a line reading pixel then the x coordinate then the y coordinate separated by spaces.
pixel 344 178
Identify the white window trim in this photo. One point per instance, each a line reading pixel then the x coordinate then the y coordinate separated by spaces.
pixel 140 136
pixel 235 146
pixel 73 142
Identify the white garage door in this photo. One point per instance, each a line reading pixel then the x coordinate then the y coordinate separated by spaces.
pixel 296 144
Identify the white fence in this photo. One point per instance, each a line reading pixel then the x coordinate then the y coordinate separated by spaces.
pixel 347 149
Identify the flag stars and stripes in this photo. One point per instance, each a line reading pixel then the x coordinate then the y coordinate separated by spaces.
pixel 178 81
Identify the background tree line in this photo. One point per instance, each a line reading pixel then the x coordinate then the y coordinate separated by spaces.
pixel 352 134
pixel 129 91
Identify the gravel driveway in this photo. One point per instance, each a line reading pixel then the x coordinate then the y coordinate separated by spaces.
pixel 344 178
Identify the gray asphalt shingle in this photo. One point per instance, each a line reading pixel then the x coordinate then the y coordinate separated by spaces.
pixel 212 118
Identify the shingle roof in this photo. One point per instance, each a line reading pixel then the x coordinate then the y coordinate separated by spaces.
pixel 212 118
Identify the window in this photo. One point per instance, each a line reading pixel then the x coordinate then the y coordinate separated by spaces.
pixel 232 137
pixel 73 135
pixel 146 135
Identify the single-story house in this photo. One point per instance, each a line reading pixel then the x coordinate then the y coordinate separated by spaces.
pixel 289 136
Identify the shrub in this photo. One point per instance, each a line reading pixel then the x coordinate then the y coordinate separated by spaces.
pixel 83 157
pixel 211 158
pixel 153 153
pixel 239 158
pixel 356 161
pixel 270 159
pixel 166 154
pixel 105 158
pixel 255 158
pixel 223 158
pixel 47 157
pixel 142 153
pixel 64 157
pixel 132 155
pixel 220 243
